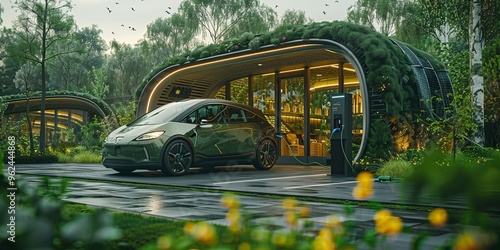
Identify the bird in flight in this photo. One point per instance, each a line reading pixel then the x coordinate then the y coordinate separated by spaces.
pixel 109 11
pixel 324 12
pixel 167 12
pixel 276 6
pixel 132 8
pixel 117 3
pixel 327 4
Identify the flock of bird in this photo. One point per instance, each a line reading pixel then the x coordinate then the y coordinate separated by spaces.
pixel 168 11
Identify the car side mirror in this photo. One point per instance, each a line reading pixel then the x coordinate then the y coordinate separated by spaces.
pixel 204 124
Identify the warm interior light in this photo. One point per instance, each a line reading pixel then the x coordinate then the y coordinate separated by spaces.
pixel 150 98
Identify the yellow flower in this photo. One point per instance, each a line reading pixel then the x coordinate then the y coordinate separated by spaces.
pixel 304 211
pixel 362 193
pixel 244 246
pixel 364 189
pixel 365 179
pixel 204 233
pixel 189 226
pixel 291 218
pixel 466 241
pixel 324 241
pixel 230 201
pixel 233 216
pixel 382 215
pixel 438 217
pixel 164 243
pixel 387 224
pixel 333 221
pixel 289 203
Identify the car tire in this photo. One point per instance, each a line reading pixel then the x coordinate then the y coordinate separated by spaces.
pixel 266 155
pixel 124 171
pixel 178 158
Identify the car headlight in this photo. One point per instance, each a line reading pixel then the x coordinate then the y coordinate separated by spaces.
pixel 150 135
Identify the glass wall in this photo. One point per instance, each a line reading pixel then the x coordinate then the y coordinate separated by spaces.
pixel 239 90
pixel 263 93
pixel 292 116
pixel 324 81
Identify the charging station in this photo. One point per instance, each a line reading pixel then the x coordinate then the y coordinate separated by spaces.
pixel 341 135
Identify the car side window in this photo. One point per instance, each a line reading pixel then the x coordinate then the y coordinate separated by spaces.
pixel 236 115
pixel 191 118
pixel 214 114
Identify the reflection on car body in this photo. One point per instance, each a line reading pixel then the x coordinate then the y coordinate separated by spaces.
pixel 192 133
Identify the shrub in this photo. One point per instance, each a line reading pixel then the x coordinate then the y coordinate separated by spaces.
pixel 396 169
pixel 85 156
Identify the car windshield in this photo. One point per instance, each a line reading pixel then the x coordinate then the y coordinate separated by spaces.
pixel 161 115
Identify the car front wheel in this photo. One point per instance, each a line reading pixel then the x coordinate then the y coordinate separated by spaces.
pixel 178 158
pixel 266 155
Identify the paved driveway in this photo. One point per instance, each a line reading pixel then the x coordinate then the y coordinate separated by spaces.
pixel 202 205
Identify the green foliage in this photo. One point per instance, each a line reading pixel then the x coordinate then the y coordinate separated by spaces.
pixel 91 134
pixel 474 179
pixel 381 142
pixel 86 156
pixel 42 223
pixel 396 169
pixel 99 102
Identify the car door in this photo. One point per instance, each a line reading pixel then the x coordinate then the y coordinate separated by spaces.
pixel 210 139
pixel 241 134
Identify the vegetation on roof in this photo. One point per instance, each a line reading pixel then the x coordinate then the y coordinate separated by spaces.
pixel 99 102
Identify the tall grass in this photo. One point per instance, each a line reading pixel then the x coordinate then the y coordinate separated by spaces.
pixel 396 169
pixel 85 156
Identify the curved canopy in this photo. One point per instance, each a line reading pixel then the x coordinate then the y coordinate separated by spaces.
pixel 19 105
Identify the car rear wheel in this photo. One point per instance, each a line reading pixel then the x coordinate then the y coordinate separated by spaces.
pixel 266 155
pixel 178 158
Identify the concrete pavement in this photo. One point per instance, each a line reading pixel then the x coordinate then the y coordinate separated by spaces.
pixel 183 204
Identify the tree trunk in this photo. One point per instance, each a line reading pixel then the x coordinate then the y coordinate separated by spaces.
pixel 476 64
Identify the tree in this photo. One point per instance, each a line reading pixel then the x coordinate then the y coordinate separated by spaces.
pixel 127 66
pixel 9 65
pixel 218 18
pixel 168 37
pixel 42 25
pixel 97 85
pixel 476 42
pixel 1 12
pixel 71 71
pixel 27 80
pixel 384 16
pixel 294 17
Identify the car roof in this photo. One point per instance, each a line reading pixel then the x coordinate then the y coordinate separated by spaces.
pixel 207 101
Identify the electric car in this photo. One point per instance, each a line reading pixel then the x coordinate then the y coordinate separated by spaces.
pixel 192 133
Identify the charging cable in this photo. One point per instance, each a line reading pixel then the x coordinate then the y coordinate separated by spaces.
pixel 343 150
pixel 297 159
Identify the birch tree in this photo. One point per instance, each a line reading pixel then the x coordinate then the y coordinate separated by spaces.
pixel 476 44
pixel 40 26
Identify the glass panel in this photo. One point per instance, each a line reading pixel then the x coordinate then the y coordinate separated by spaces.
pixel 239 90
pixel 324 83
pixel 221 94
pixel 263 94
pixel 292 115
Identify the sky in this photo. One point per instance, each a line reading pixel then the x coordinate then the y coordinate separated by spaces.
pixel 126 20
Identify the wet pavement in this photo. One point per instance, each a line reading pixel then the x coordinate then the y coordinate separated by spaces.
pixel 184 204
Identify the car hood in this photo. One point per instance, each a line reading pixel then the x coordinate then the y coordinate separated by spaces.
pixel 129 133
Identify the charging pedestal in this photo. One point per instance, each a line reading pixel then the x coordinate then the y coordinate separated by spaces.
pixel 341 136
